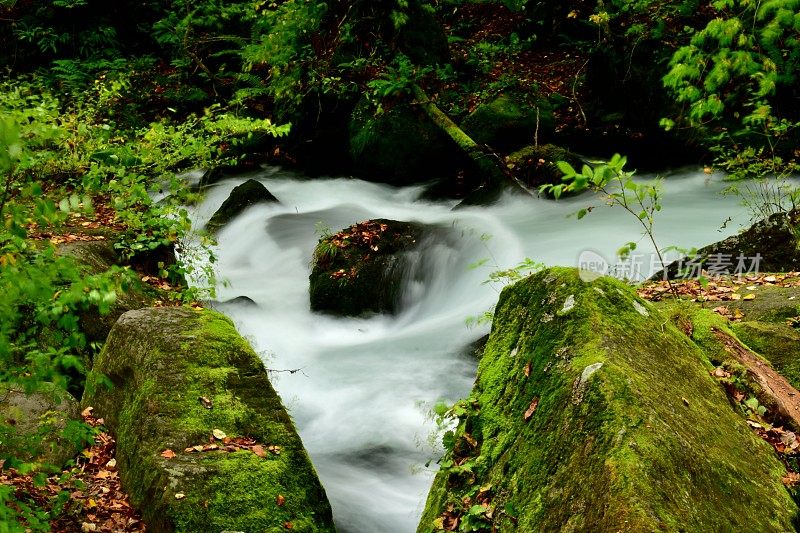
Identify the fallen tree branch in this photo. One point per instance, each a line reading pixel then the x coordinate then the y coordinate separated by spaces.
pixel 488 164
pixel 777 392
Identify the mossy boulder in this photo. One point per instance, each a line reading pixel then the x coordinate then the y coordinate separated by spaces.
pixel 778 343
pixel 247 194
pixel 592 412
pixel 399 146
pixel 774 240
pixel 507 123
pixel 32 424
pixel 178 374
pixel 771 304
pixel 360 269
pixel 537 165
pixel 97 257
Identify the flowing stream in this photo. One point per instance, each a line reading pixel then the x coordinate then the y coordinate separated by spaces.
pixel 362 397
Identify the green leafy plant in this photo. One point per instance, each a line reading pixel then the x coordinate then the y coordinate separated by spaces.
pixel 618 188
pixel 737 77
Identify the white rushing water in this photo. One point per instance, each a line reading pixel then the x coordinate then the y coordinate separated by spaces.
pixel 362 398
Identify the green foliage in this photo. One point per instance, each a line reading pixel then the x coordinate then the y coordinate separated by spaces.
pixel 740 72
pixel 283 47
pixel 618 187
pixel 398 79
pixel 43 296
pixel 500 278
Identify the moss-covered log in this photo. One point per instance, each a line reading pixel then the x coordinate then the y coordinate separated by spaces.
pixel 487 164
pixel 178 375
pixel 592 412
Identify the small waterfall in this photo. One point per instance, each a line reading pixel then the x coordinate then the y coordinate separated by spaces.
pixel 366 385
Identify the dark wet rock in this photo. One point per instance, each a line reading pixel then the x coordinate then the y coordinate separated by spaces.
pixel 775 241
pixel 360 269
pixel 248 194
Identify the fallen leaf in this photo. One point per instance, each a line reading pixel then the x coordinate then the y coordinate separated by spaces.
pixel 259 450
pixel 219 434
pixel 791 479
pixel 168 454
pixel 111 463
pixel 750 296
pixel 207 403
pixel 280 500
pixel 87 412
pixel 179 495
pixel 528 369
pixel 531 408
pixel 288 525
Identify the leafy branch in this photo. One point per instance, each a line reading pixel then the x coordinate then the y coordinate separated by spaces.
pixel 641 200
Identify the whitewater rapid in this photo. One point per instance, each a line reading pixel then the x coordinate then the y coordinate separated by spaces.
pixel 363 388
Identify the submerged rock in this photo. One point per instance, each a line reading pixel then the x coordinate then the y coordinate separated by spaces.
pixel 360 269
pixel 182 379
pixel 600 419
pixel 247 194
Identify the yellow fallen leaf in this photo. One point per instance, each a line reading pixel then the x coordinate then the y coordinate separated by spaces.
pixel 750 296
pixel 736 296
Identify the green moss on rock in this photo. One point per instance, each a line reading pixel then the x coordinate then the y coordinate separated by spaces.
pixel 399 146
pixel 360 269
pixel 778 343
pixel 507 123
pixel 537 165
pixel 161 362
pixel 592 412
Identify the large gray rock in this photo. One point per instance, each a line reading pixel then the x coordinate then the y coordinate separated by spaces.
pixel 591 412
pixel 180 375
pixel 32 425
